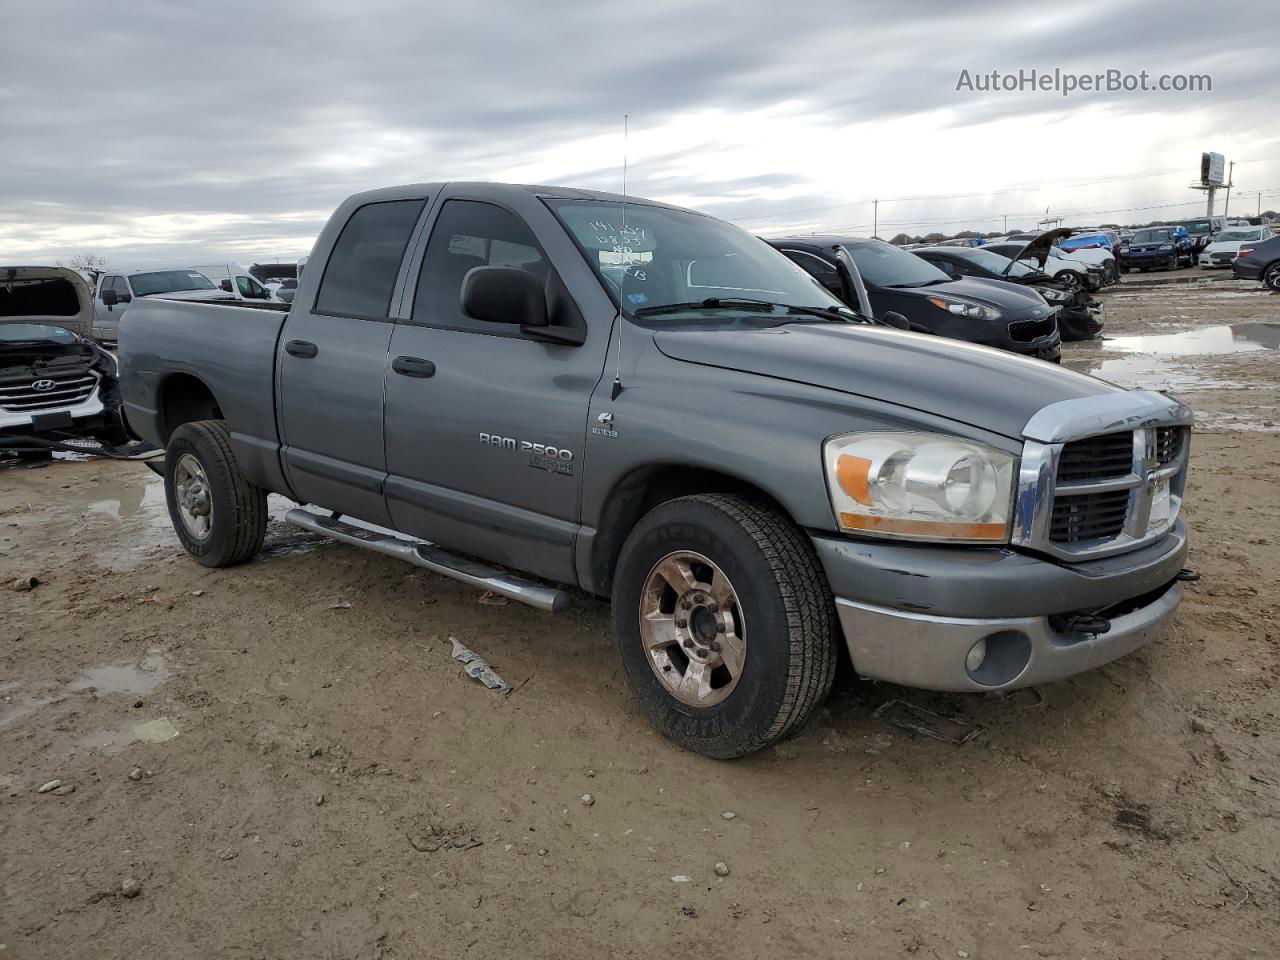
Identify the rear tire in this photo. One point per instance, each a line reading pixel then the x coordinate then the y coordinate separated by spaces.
pixel 1271 277
pixel 219 516
pixel 776 603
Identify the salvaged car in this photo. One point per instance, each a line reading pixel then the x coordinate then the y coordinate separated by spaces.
pixel 1042 253
pixel 1008 317
pixel 1079 315
pixel 538 389
pixel 1259 261
pixel 1168 247
pixel 55 381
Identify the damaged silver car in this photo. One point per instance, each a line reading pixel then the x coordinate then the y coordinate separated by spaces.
pixel 56 383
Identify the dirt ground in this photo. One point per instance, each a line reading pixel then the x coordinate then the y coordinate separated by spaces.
pixel 339 789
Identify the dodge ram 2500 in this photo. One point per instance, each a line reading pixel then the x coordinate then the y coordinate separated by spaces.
pixel 534 388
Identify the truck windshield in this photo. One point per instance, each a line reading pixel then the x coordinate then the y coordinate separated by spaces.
pixel 649 257
pixel 168 281
pixel 1153 236
pixel 1197 227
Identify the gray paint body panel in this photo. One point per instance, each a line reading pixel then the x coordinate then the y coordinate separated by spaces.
pixel 752 404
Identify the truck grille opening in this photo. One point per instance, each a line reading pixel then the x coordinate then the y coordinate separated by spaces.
pixel 1025 331
pixel 33 394
pixel 1090 516
pixel 1169 444
pixel 1097 458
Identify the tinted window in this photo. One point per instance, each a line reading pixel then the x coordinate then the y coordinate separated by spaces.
pixel 822 271
pixel 469 234
pixel 361 273
pixel 166 281
pixel 884 265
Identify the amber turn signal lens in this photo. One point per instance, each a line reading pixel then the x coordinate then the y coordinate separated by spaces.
pixel 853 473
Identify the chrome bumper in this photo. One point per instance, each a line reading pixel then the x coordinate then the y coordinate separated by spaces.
pixel 921 650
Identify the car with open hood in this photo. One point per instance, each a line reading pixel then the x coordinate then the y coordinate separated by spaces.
pixel 54 378
pixel 1079 315
pixel 1041 253
pixel 1007 317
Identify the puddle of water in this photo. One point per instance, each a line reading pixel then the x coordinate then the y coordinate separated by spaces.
pixel 1152 373
pixel 133 679
pixel 1204 341
pixel 127 513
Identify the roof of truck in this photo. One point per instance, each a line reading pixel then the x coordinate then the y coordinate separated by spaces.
pixel 496 188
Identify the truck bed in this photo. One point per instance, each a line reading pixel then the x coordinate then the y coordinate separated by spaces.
pixel 168 348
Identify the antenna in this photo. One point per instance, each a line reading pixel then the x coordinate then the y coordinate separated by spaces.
pixel 626 265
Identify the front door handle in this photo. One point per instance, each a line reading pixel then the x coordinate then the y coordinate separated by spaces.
pixel 301 348
pixel 413 367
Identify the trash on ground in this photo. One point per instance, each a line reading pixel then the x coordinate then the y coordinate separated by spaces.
pixel 493 599
pixel 908 716
pixel 680 878
pixel 342 603
pixel 24 584
pixel 478 668
pixel 155 731
pixel 51 785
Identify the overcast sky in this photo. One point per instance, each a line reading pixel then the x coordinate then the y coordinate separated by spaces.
pixel 188 132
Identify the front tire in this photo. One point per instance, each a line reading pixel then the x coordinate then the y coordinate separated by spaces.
pixel 219 516
pixel 1068 279
pixel 725 624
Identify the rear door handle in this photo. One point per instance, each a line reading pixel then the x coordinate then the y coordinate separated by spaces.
pixel 301 348
pixel 413 367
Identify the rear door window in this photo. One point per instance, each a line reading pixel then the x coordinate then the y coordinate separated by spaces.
pixel 360 276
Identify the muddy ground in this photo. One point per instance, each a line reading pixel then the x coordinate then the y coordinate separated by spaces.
pixel 338 789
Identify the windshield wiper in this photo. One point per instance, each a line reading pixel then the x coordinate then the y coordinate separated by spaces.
pixel 746 303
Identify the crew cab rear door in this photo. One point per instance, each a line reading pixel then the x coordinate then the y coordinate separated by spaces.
pixel 332 360
pixel 485 424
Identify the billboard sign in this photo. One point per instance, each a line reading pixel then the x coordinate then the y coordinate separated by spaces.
pixel 1213 169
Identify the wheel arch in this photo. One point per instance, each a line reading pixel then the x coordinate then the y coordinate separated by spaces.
pixel 184 398
pixel 640 491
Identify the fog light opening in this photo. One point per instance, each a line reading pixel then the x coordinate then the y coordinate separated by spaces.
pixel 998 658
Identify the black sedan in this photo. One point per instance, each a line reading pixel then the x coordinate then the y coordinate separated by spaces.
pixel 976 311
pixel 1259 261
pixel 1081 315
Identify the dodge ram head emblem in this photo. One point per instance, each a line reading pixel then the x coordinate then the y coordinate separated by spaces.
pixel 43 385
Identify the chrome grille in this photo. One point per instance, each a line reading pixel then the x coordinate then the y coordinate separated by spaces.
pixel 1085 491
pixel 66 391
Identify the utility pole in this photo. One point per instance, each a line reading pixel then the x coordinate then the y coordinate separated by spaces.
pixel 1231 173
pixel 875 218
pixel 1259 213
pixel 1006 223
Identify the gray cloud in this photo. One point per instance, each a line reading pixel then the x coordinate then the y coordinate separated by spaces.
pixel 259 118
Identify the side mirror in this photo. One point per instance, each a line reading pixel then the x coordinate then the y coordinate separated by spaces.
pixel 109 298
pixel 956 276
pixel 894 319
pixel 504 295
pixel 225 285
pixel 125 297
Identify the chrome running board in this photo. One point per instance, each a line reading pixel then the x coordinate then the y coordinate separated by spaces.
pixel 433 558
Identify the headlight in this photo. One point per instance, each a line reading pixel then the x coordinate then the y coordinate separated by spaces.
pixel 1050 295
pixel 920 486
pixel 964 308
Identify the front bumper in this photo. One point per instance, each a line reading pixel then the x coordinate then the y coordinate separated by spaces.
pixel 13 422
pixel 911 613
pixel 918 650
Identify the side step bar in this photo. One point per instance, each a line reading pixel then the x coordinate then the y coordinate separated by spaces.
pixel 433 558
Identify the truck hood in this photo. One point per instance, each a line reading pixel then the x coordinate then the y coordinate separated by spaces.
pixel 192 295
pixel 51 296
pixel 980 386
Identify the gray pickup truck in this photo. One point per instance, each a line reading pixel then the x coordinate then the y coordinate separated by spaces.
pixel 535 388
